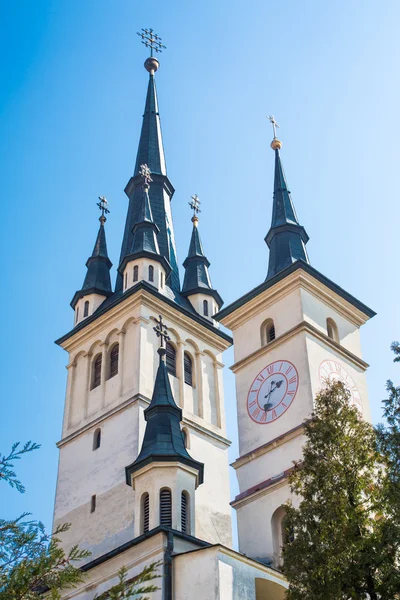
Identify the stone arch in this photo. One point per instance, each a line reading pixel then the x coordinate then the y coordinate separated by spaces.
pixel 111 334
pixel 278 537
pixel 332 330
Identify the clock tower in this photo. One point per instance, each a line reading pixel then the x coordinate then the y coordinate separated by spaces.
pixel 290 333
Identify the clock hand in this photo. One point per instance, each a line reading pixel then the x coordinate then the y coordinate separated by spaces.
pixel 272 389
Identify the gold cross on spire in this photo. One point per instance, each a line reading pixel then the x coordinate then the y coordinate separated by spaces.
pixel 151 40
pixel 274 124
pixel 195 204
pixel 102 204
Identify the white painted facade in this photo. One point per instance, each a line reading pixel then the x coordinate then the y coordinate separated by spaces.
pixel 116 407
pixel 298 306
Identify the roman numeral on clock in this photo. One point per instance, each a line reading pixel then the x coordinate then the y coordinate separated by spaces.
pixel 293 379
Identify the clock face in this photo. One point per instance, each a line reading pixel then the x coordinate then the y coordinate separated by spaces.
pixel 333 371
pixel 272 392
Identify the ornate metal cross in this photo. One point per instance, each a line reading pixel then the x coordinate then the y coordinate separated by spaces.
pixel 102 204
pixel 151 40
pixel 145 172
pixel 273 122
pixel 162 331
pixel 195 204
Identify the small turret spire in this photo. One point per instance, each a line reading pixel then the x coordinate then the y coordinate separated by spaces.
pixel 286 238
pixel 145 231
pixel 97 279
pixel 197 279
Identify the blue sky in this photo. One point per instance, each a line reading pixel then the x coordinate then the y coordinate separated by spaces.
pixel 71 99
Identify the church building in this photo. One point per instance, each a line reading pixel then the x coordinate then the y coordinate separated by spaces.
pixel 143 468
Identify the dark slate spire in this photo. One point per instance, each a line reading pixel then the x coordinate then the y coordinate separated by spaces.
pixel 197 279
pixel 145 231
pixel 151 152
pixel 286 238
pixel 97 280
pixel 163 438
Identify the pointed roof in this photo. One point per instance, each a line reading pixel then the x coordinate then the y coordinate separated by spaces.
pixel 197 278
pixel 97 279
pixel 163 438
pixel 144 233
pixel 151 152
pixel 286 238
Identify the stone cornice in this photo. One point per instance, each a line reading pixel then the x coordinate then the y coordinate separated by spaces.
pixel 307 328
pixel 299 278
pixel 269 446
pixel 261 489
pixel 133 300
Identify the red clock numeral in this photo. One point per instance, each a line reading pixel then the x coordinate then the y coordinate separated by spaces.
pixel 263 417
pixel 255 413
pixel 284 405
pixel 280 366
pixel 252 403
pixel 293 379
pixel 270 369
pixel 274 415
pixel 291 392
pixel 288 370
pixel 260 378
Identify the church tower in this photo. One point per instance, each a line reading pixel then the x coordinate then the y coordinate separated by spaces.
pixel 290 333
pixel 143 448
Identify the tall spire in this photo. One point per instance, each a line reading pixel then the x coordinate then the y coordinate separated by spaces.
pixel 197 279
pixel 151 152
pixel 97 279
pixel 286 238
pixel 163 438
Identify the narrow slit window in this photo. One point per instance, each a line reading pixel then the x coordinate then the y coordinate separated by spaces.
pixel 126 280
pixel 185 438
pixel 170 358
pixel 205 308
pixel 151 273
pixel 86 309
pixel 135 273
pixel 77 314
pixel 114 358
pixel 184 513
pixel 96 439
pixel 146 512
pixel 270 332
pixel 165 508
pixel 162 280
pixel 188 368
pixel 93 503
pixel 96 377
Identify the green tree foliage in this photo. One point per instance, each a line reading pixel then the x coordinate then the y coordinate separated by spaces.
pixel 33 562
pixel 342 540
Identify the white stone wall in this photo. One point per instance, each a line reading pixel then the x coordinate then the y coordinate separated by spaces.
pixel 116 406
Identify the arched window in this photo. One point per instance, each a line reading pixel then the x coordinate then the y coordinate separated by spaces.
pixel 97 439
pixel 86 309
pixel 145 512
pixel 188 368
pixel 135 273
pixel 165 508
pixel 151 273
pixel 185 512
pixel 170 359
pixel 279 534
pixel 93 503
pixel 332 330
pixel 96 372
pixel 205 308
pixel 114 357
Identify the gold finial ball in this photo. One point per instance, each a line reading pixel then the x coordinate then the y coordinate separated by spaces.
pixel 151 64
pixel 195 220
pixel 276 144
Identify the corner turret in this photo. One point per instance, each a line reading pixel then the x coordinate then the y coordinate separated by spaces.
pixel 197 285
pixel 97 284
